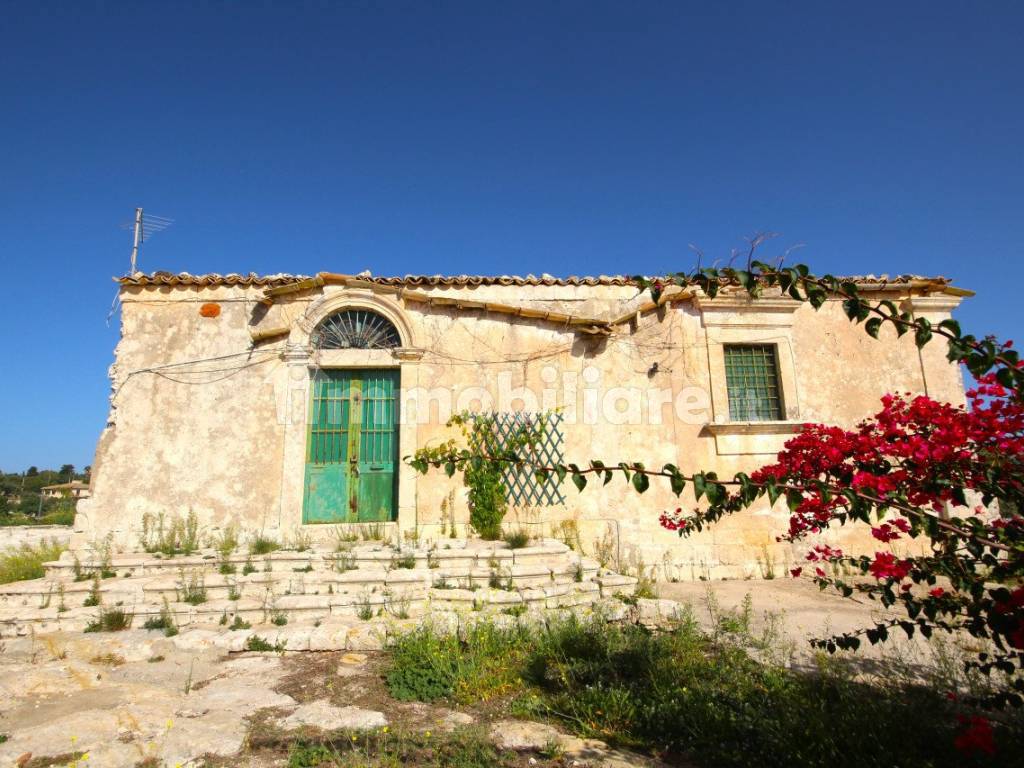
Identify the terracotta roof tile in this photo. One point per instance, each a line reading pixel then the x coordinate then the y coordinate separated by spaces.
pixel 267 281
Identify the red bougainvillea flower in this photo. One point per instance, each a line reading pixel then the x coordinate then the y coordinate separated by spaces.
pixel 937 592
pixel 886 566
pixel 977 736
pixel 795 573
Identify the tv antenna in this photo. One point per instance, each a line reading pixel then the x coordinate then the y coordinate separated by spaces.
pixel 145 226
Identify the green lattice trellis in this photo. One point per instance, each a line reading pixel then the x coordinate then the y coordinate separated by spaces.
pixel 522 487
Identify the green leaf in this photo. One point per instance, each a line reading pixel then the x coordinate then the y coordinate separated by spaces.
pixel 872 326
pixel 641 482
pixel 699 485
pixel 580 481
pixel 923 334
pixel 678 483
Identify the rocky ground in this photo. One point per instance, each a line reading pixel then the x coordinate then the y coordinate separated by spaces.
pixel 135 698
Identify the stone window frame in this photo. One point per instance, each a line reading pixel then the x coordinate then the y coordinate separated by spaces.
pixel 740 320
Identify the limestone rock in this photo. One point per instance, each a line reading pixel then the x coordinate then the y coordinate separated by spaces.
pixel 523 736
pixel 324 715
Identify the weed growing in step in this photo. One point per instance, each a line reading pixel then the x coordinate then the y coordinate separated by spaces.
pixel 443 583
pixel 248 567
pixel 257 643
pixel 372 531
pixel 279 618
pixel 364 609
pixel 110 620
pixel 263 545
pixel 165 621
pixel 343 561
pixel 191 590
pixel 94 597
pixel 226 542
pixel 517 539
pixel 308 568
pixel 300 541
pixel 170 536
pixel 234 593
pixel 408 560
pixel 344 537
pixel 26 562
pixel 239 623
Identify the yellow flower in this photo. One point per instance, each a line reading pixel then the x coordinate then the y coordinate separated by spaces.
pixel 170 724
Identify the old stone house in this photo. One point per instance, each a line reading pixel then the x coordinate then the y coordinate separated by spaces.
pixel 285 402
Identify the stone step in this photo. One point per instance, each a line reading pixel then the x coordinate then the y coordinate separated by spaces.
pixel 486 555
pixel 382 602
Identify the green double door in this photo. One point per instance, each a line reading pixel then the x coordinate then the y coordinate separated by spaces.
pixel 352 447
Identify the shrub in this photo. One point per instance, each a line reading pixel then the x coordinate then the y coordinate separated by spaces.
pixel 26 562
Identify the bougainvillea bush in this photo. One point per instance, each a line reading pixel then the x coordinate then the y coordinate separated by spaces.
pixel 940 485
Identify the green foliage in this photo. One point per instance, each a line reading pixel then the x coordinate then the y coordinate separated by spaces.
pixel 427 666
pixel 239 623
pixel 257 643
pixel 191 589
pixel 407 560
pixel 517 539
pixel 263 545
pixel 110 620
pixel 26 562
pixel 721 697
pixel 165 621
pixel 170 536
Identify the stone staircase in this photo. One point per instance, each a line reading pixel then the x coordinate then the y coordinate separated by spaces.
pixel 316 599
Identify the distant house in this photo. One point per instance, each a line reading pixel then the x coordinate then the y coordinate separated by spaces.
pixel 74 490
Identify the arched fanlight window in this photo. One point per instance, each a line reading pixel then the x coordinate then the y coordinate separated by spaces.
pixel 356 329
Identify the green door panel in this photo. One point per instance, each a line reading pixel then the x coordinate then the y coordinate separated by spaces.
pixel 352 447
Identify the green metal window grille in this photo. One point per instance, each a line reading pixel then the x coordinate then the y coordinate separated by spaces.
pixel 522 487
pixel 328 437
pixel 752 379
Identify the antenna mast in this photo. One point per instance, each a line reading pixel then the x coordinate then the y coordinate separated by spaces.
pixel 142 229
pixel 136 240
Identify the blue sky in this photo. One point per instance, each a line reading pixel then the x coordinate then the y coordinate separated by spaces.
pixel 561 137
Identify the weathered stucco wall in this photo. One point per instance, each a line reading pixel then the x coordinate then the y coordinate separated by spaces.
pixel 203 420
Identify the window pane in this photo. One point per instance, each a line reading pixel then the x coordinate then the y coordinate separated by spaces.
pixel 752 379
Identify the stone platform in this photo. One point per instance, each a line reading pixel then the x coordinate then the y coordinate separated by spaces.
pixel 350 598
